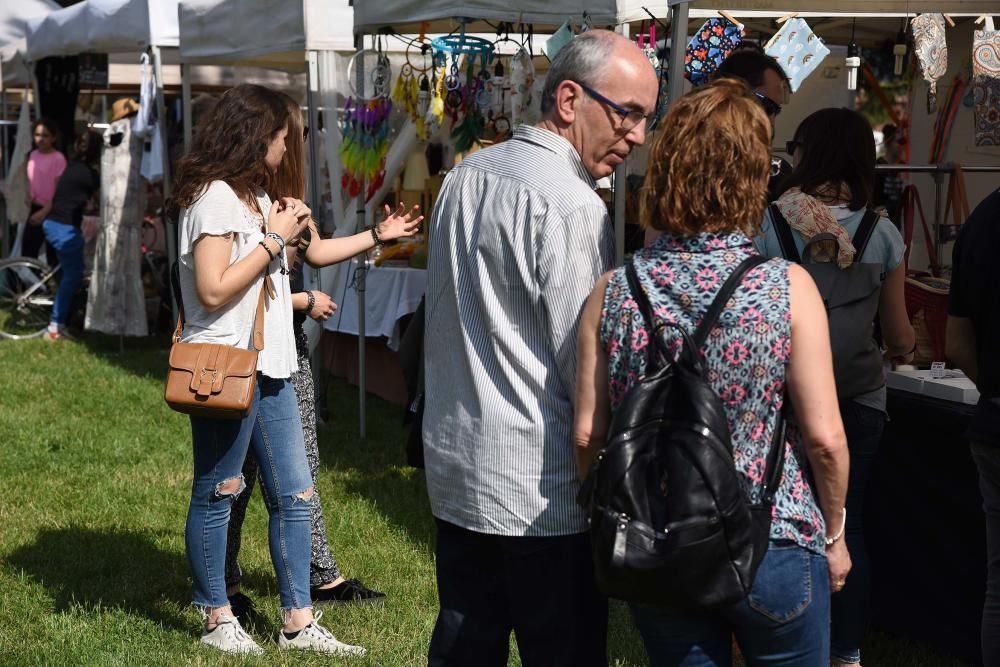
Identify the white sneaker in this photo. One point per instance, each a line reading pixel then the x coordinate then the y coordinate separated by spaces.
pixel 314 637
pixel 229 636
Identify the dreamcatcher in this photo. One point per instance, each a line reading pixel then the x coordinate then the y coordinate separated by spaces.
pixel 414 90
pixel 365 126
pixel 464 96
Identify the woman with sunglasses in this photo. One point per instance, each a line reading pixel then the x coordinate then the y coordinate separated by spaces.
pixel 326 583
pixel 829 192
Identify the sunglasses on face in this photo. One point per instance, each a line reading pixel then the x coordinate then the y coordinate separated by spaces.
pixel 771 108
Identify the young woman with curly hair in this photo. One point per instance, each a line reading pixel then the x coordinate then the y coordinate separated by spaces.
pixel 327 585
pixel 232 244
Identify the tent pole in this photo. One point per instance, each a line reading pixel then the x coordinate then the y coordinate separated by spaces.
pixel 361 274
pixel 161 118
pixel 678 42
pixel 620 192
pixel 312 101
pixel 4 222
pixel 188 120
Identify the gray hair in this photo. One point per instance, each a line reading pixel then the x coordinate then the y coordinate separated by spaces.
pixel 585 59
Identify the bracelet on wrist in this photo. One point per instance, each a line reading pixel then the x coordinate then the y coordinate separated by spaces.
pixel 277 238
pixel 830 541
pixel 375 237
pixel 311 302
pixel 267 250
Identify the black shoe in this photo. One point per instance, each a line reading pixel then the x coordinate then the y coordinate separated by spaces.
pixel 243 608
pixel 350 591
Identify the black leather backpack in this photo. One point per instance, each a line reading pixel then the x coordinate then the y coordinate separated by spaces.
pixel 670 523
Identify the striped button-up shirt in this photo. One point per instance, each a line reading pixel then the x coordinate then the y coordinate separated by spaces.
pixel 517 239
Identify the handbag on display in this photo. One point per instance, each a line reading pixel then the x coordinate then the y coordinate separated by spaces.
pixel 712 44
pixel 212 380
pixel 798 50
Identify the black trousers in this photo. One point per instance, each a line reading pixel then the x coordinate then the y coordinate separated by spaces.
pixel 541 588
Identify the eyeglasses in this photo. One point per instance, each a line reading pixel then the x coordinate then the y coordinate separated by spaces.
pixel 630 117
pixel 791 146
pixel 771 108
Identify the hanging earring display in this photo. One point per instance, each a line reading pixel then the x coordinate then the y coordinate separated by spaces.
pixel 365 127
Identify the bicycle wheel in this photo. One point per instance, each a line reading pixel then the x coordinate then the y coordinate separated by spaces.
pixel 27 292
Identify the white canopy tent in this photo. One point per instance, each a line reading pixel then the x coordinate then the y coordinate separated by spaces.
pixel 113 26
pixel 14 19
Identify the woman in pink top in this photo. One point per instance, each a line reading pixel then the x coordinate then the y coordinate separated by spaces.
pixel 45 166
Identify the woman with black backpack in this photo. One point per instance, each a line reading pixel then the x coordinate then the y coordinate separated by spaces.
pixel 860 274
pixel 706 190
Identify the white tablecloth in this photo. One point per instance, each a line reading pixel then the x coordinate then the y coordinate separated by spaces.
pixel 390 294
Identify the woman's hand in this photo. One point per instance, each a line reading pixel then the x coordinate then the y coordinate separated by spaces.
pixel 284 221
pixel 37 218
pixel 396 225
pixel 324 307
pixel 839 561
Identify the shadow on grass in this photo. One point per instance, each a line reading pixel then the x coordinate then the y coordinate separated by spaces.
pixel 108 569
pixel 375 468
pixel 144 357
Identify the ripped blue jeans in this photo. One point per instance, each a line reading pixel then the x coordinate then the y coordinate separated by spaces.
pixel 274 430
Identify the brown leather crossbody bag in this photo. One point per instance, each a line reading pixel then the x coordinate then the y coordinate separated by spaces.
pixel 211 380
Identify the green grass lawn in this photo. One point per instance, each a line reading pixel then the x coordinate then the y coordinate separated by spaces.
pixel 95 475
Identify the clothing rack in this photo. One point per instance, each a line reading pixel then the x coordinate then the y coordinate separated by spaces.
pixel 937 172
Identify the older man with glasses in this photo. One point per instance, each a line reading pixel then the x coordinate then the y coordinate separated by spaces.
pixel 517 239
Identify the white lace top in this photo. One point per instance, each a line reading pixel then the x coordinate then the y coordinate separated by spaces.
pixel 217 212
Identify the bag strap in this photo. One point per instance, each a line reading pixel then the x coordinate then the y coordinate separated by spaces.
pixel 784 232
pixel 774 467
pixel 258 320
pixel 911 204
pixel 711 315
pixel 722 298
pixel 864 233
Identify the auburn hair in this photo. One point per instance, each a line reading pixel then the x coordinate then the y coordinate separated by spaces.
pixel 290 178
pixel 709 165
pixel 230 145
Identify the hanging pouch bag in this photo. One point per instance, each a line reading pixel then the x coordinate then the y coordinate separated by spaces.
pixel 212 380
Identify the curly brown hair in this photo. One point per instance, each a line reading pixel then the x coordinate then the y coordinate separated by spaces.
pixel 708 167
pixel 230 145
pixel 290 178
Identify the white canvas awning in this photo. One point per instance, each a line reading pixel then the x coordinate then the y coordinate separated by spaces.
pixel 14 18
pixel 847 7
pixel 270 33
pixel 104 26
pixel 442 15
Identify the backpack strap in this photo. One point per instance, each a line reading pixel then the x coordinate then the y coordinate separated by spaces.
pixel 864 233
pixel 722 298
pixel 784 232
pixel 774 467
pixel 645 309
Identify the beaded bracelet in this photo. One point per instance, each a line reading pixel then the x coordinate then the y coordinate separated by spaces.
pixel 267 250
pixel 277 238
pixel 374 230
pixel 830 541
pixel 311 303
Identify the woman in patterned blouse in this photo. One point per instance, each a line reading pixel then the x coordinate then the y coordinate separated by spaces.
pixel 706 190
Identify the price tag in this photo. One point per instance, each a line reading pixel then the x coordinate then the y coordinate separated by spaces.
pixel 938 370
